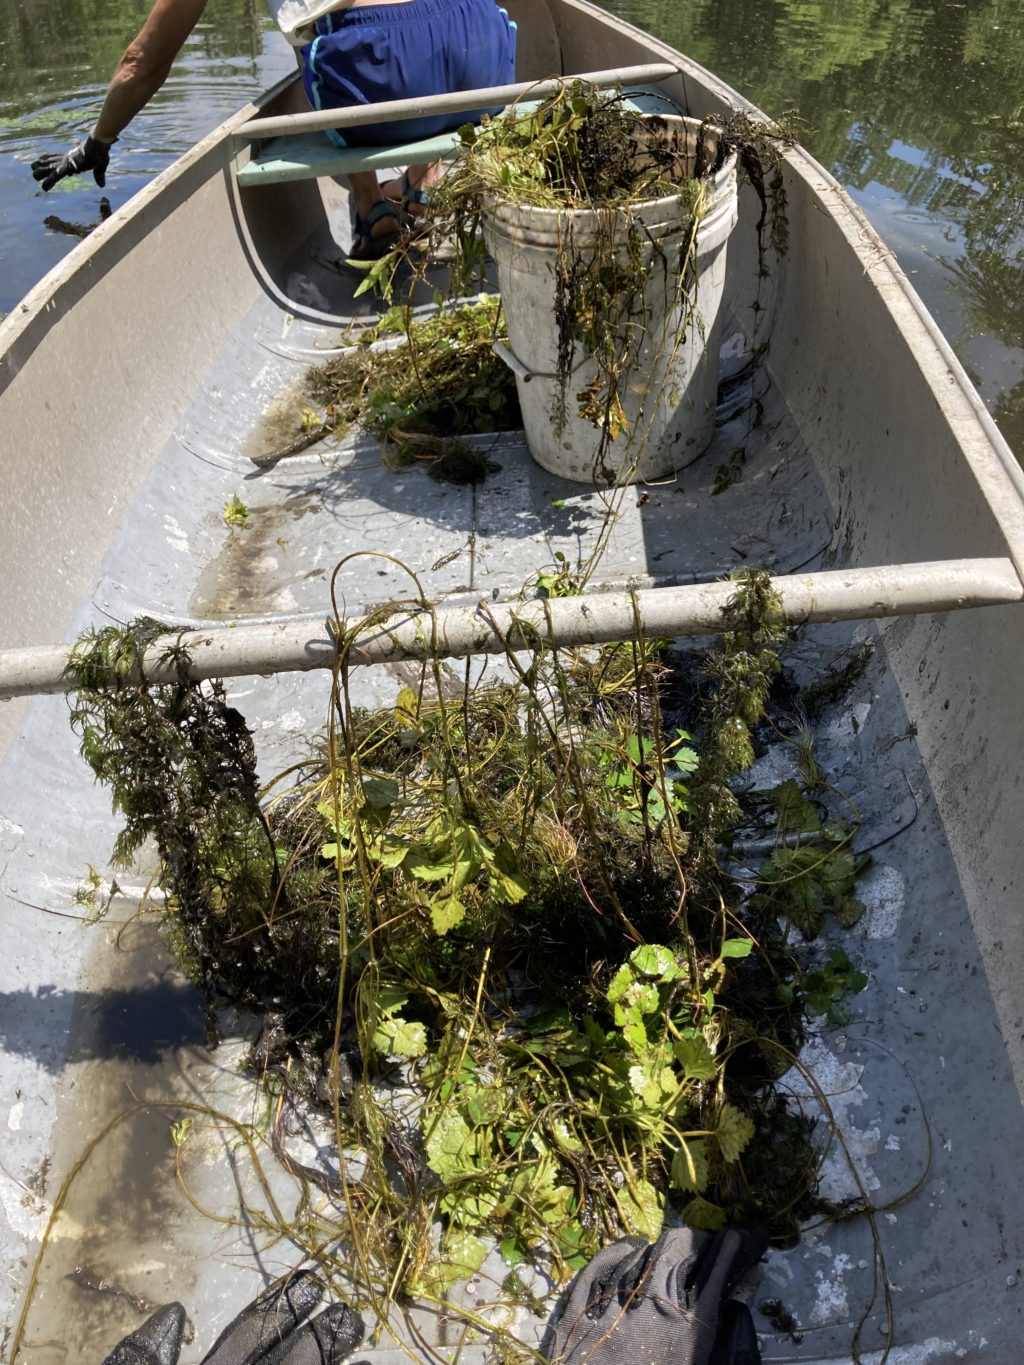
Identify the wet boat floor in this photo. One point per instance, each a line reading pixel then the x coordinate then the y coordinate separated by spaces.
pixel 100 1033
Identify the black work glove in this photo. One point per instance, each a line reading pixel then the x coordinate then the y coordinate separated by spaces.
pixel 662 1303
pixel 268 1331
pixel 90 155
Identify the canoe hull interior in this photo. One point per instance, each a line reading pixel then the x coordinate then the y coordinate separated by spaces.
pixel 181 330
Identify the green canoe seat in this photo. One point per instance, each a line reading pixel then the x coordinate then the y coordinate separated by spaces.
pixel 306 156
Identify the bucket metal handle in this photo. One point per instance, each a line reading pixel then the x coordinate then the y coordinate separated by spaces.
pixel 517 367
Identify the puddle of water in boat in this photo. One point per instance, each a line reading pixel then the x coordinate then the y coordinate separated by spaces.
pixel 138 1032
pixel 246 578
pixel 280 425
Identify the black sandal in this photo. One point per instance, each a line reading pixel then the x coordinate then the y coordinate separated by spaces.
pixel 366 246
pixel 414 196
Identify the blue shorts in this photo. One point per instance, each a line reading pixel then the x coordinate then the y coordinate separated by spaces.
pixel 406 51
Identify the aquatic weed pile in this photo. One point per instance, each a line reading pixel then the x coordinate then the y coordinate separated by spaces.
pixel 496 935
pixel 595 160
pixel 421 386
pixel 579 148
pixel 565 188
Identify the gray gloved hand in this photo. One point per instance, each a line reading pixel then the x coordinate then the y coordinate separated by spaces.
pixel 90 155
pixel 662 1303
pixel 268 1331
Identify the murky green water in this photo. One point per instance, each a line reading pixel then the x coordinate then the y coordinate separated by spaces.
pixel 916 105
pixel 56 57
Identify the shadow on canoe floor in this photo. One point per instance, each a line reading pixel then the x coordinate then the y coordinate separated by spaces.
pixel 140 1024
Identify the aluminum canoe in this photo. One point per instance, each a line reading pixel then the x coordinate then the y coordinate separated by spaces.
pixel 136 380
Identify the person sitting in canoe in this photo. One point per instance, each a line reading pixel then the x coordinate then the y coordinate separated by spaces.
pixel 351 52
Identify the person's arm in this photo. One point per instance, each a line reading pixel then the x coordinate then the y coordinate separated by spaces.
pixel 138 76
pixel 146 64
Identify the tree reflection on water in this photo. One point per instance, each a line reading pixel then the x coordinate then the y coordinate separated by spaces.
pixel 922 97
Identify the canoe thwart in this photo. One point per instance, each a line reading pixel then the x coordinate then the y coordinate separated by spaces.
pixel 299 645
pixel 459 101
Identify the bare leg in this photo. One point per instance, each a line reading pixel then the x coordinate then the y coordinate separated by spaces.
pixel 419 177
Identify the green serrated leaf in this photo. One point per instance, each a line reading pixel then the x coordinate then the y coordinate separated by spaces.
pixel 690 1171
pixel 446 912
pixel 734 1131
pixel 486 1105
pixel 684 757
pixel 736 947
pixel 651 959
pixel 537 1187
pixel 449 1147
pixel 645 996
pixel 508 883
pixel 699 1213
pixel 564 1138
pixel 397 1037
pixel 389 850
pixel 796 813
pixel 461 1257
pixel 652 1082
pixel 390 999
pixel 695 1057
pixel 466 869
pixel 837 873
pixel 633 1030
pixel 407 708
pixel 642 1209
pixel 423 864
pixel 330 813
pixel 848 910
pixel 380 793
pixel 620 984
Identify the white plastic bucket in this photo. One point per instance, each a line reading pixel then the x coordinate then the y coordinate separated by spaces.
pixel 670 398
